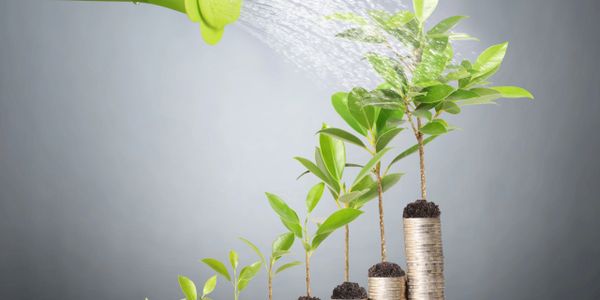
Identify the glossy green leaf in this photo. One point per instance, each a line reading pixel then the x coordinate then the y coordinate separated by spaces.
pixel 351 196
pixel 462 95
pixel 313 168
pixel 512 92
pixel 423 113
pixel 387 182
pixel 333 153
pixel 445 25
pixel 435 94
pixel 363 184
pixel 389 69
pixel 209 286
pixel 490 59
pixel 314 196
pixel 233 259
pixel 435 127
pixel 386 137
pixel 287 266
pixel 282 244
pixel 370 165
pixel 400 19
pixel 436 56
pixel 254 248
pixel 343 135
pixel 247 274
pixel 385 99
pixel 424 8
pixel 218 267
pixel 411 150
pixel 340 104
pixel 188 288
pixel 451 107
pixel 348 17
pixel 360 34
pixel 333 222
pixel 363 115
pixel 287 215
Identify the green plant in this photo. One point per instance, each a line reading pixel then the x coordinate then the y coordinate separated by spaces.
pixel 329 165
pixel 189 288
pixel 239 281
pixel 421 87
pixel 280 247
pixel 290 220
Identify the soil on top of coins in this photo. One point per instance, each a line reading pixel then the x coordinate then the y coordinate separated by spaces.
pixel 386 269
pixel 422 209
pixel 308 298
pixel 349 290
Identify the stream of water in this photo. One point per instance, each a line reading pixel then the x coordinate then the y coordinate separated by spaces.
pixel 299 31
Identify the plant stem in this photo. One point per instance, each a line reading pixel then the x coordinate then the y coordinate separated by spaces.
pixel 422 161
pixel 381 222
pixel 270 279
pixel 347 254
pixel 235 291
pixel 308 292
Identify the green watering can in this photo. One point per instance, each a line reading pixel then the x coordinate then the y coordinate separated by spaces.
pixel 213 15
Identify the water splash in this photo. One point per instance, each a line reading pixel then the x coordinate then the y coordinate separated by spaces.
pixel 298 30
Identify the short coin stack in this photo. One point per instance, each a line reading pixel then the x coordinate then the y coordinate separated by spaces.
pixel 424 258
pixel 387 288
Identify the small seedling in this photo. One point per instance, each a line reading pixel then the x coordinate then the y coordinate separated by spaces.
pixel 290 220
pixel 280 247
pixel 189 288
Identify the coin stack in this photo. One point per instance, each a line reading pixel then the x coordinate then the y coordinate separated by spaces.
pixel 424 258
pixel 387 288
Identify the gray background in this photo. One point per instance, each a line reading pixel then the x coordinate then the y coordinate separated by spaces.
pixel 129 150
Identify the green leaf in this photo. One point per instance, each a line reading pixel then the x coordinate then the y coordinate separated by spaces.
pixel 287 215
pixel 370 165
pixel 209 286
pixel 423 113
pixel 282 244
pixel 313 197
pixel 461 37
pixel 363 115
pixel 462 95
pixel 490 59
pixel 218 267
pixel 385 99
pixel 340 104
pixel 513 92
pixel 436 55
pixel 435 94
pixel 317 171
pixel 385 138
pixel 334 155
pixel 247 274
pixel 387 182
pixel 446 25
pixel 389 69
pixel 485 96
pixel 424 8
pixel 287 266
pixel 364 184
pixel 343 135
pixel 411 150
pixel 233 259
pixel 451 107
pixel 361 35
pixel 435 127
pixel 400 19
pixel 188 288
pixel 351 196
pixel 336 220
pixel 348 17
pixel 254 248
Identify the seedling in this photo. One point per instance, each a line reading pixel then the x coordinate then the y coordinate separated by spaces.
pixel 290 220
pixel 330 161
pixel 189 288
pixel 239 281
pixel 280 247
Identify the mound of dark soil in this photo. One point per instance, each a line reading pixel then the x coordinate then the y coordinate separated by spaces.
pixel 349 290
pixel 308 298
pixel 386 269
pixel 422 209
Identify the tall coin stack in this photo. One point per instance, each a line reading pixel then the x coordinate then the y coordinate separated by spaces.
pixel 424 258
pixel 387 288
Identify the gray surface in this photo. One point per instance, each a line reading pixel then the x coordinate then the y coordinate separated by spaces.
pixel 128 150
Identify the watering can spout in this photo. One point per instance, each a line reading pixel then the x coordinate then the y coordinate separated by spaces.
pixel 212 15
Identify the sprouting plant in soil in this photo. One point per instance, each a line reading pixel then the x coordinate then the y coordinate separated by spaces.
pixel 239 281
pixel 311 242
pixel 281 246
pixel 189 288
pixel 330 162
pixel 425 85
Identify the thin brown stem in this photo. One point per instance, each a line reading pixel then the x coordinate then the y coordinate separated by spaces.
pixel 270 280
pixel 308 291
pixel 347 254
pixel 422 162
pixel 381 223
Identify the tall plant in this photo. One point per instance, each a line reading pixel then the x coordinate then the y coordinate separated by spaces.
pixel 329 164
pixel 290 220
pixel 423 86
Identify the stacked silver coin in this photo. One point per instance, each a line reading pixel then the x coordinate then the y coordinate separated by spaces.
pixel 424 258
pixel 387 288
